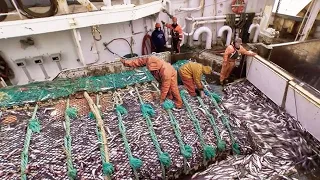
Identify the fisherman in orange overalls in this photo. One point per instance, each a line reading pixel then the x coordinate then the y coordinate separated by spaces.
pixel 232 54
pixel 164 73
pixel 191 74
pixel 176 34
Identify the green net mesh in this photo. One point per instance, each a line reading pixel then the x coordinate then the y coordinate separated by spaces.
pixel 41 91
pixel 179 63
pixel 177 66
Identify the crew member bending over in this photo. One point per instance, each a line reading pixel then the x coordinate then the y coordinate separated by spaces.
pixel 191 74
pixel 164 73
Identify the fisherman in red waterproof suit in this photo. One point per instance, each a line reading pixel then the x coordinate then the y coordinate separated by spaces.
pixel 176 34
pixel 164 73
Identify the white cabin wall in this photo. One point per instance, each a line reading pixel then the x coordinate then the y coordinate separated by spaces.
pixel 63 42
pixel 45 44
pixel 113 31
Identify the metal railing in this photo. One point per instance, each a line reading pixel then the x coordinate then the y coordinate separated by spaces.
pixel 13 13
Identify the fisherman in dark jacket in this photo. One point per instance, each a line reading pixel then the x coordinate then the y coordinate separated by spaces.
pixel 158 38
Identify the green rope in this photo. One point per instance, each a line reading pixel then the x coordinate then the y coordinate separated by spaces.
pixel 122 110
pixel 185 150
pixel 147 111
pixel 220 143
pixel 225 121
pixel 215 96
pixel 72 112
pixel 165 159
pixel 92 116
pixel 33 126
pixel 135 163
pixel 168 104
pixel 107 167
pixel 72 172
pixel 208 151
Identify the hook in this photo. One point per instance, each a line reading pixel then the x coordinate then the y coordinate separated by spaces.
pixel 94 30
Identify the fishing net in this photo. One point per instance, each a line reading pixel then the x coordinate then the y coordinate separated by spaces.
pixel 147 142
pixel 34 92
pixel 46 152
pixel 143 147
pixel 95 78
pixel 12 134
pixel 47 155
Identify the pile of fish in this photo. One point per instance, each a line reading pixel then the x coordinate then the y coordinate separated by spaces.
pixel 282 149
pixel 46 151
pixel 273 144
pixel 141 143
pixel 47 156
pixel 11 143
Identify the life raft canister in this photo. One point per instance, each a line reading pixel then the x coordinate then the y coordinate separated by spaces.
pixel 237 6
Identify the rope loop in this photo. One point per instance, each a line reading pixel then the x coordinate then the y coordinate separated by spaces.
pixel 94 31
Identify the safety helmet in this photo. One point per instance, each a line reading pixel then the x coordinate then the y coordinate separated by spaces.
pixel 206 70
pixel 158 25
pixel 174 19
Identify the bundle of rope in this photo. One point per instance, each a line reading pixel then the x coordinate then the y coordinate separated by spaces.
pixel 185 149
pixel 209 152
pixel 33 126
pixel 244 30
pixel 242 21
pixel 135 163
pixel 220 143
pixel 5 71
pixel 231 20
pixel 215 99
pixel 31 14
pixel 147 46
pixel 164 157
pixel 69 113
pixel 107 167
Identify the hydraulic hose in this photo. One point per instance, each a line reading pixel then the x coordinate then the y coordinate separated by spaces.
pixel 146 46
pixel 3 9
pixel 51 11
pixel 107 48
